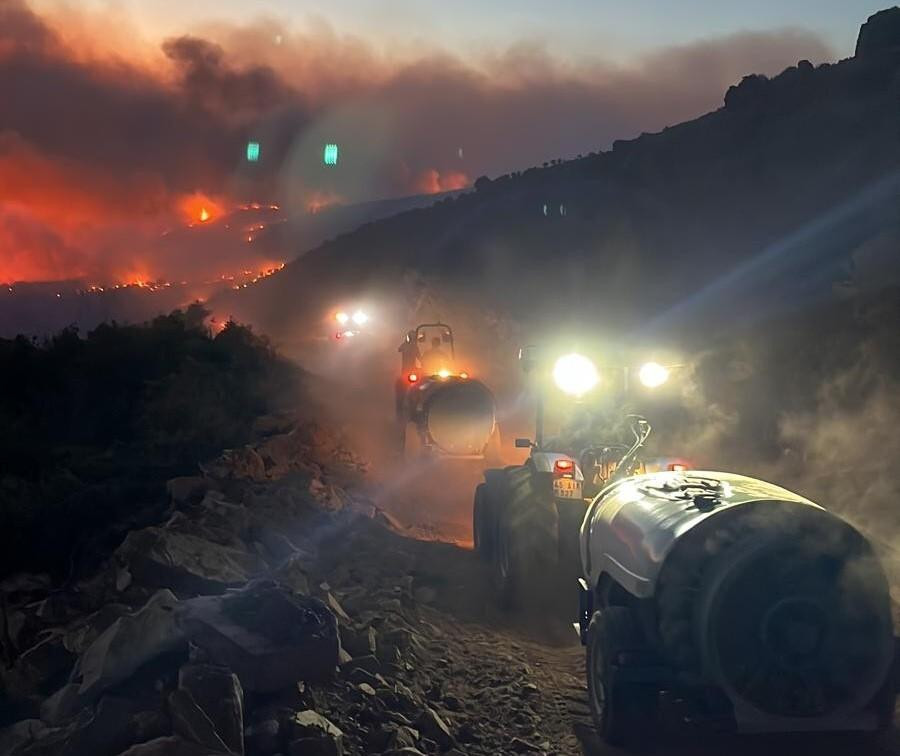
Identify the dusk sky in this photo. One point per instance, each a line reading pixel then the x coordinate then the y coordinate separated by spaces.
pixel 612 29
pixel 123 120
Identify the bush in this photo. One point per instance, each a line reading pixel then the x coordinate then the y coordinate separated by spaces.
pixel 116 414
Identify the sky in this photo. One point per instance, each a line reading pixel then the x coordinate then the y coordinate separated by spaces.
pixel 616 29
pixel 122 121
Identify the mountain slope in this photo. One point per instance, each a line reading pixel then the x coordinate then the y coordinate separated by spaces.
pixel 779 193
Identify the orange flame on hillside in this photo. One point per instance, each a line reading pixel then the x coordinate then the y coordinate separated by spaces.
pixel 199 208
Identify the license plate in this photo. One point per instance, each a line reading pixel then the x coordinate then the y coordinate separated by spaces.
pixel 566 488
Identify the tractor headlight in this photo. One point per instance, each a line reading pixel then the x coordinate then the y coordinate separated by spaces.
pixel 653 375
pixel 342 318
pixel 360 318
pixel 575 374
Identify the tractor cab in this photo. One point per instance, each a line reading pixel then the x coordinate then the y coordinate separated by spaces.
pixel 427 351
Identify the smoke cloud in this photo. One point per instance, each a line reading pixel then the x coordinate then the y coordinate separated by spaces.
pixel 95 146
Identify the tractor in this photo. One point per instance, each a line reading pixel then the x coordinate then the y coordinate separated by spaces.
pixel 441 410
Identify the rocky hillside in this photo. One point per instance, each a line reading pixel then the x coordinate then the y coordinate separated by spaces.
pixel 275 611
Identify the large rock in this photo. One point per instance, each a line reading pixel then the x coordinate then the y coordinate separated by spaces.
pixel 128 643
pixel 315 735
pixel 217 692
pixel 881 33
pixel 434 728
pixel 269 636
pixel 182 561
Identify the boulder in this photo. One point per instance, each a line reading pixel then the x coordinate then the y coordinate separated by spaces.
pixel 269 636
pixel 434 728
pixel 315 736
pixel 217 692
pixel 181 561
pixel 880 33
pixel 359 642
pixel 128 643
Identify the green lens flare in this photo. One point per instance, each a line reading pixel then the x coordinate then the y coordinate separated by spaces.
pixel 330 156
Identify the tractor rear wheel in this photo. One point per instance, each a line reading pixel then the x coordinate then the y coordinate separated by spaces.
pixel 526 550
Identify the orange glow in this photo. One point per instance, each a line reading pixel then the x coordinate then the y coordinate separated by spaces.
pixel 434 182
pixel 199 208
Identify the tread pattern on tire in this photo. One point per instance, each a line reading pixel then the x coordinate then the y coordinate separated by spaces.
pixel 528 532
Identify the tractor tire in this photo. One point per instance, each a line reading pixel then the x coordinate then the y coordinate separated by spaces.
pixel 526 550
pixel 624 712
pixel 885 703
pixel 480 530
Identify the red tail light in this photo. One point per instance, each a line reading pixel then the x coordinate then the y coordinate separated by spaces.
pixel 339 335
pixel 412 377
pixel 563 466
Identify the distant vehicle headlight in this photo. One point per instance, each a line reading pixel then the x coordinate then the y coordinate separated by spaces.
pixel 360 318
pixel 575 374
pixel 342 317
pixel 653 375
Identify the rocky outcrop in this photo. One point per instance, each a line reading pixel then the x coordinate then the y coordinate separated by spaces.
pixel 880 34
pixel 268 636
pixel 185 562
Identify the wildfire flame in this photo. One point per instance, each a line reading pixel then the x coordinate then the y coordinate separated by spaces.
pixel 199 208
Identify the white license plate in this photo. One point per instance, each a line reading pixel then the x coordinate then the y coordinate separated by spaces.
pixel 566 488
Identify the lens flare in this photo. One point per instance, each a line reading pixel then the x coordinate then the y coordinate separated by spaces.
pixel 575 374
pixel 653 375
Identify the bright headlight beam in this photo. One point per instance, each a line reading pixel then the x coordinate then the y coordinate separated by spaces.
pixel 342 317
pixel 653 375
pixel 575 374
pixel 360 318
